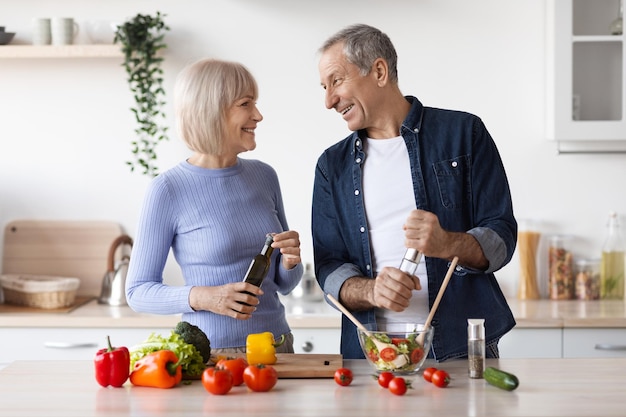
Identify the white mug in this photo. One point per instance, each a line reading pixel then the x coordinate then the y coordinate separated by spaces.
pixel 41 31
pixel 64 30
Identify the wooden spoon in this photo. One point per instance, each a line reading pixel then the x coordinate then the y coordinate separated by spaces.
pixel 379 345
pixel 444 284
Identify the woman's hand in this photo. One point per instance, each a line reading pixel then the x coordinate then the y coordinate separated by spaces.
pixel 289 244
pixel 227 300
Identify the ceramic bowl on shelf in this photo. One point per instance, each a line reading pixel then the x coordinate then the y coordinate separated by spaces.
pixel 101 31
pixel 396 347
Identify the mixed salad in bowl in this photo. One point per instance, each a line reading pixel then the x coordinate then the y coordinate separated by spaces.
pixel 396 347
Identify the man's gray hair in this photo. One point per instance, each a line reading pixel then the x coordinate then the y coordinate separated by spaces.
pixel 362 45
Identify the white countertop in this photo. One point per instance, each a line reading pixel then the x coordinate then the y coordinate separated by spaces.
pixel 528 314
pixel 548 387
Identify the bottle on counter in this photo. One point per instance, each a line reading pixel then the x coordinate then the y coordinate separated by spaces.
pixel 561 276
pixel 260 264
pixel 612 264
pixel 476 347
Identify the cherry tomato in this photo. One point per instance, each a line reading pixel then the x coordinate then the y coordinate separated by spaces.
pixel 441 378
pixel 384 378
pixel 397 341
pixel 416 355
pixel 372 355
pixel 398 385
pixel 343 376
pixel 428 373
pixel 260 377
pixel 388 354
pixel 217 381
pixel 236 366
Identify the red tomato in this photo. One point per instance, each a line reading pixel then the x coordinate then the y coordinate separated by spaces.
pixel 372 355
pixel 343 376
pixel 236 367
pixel 384 378
pixel 441 378
pixel 388 354
pixel 397 340
pixel 398 385
pixel 260 377
pixel 416 355
pixel 428 373
pixel 217 381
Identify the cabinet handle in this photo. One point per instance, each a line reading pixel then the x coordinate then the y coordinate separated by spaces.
pixel 606 346
pixel 307 346
pixel 69 345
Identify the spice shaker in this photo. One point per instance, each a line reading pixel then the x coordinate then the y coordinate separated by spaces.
pixel 476 347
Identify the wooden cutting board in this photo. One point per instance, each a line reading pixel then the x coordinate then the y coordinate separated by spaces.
pixel 305 365
pixel 60 248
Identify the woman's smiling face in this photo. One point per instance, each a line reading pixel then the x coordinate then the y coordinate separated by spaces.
pixel 241 121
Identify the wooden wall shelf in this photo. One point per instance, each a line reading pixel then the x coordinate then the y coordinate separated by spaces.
pixel 63 51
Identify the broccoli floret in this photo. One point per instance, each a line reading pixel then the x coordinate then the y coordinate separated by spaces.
pixel 193 335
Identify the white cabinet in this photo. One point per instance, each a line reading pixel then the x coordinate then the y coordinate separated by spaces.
pixel 597 343
pixel 48 343
pixel 586 98
pixel 532 343
pixel 313 340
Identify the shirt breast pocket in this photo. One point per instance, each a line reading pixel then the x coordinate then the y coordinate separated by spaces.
pixel 453 181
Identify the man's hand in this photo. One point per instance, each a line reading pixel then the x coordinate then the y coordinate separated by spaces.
pixel 423 232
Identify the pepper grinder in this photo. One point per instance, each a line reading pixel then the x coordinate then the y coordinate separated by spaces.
pixel 476 347
pixel 410 261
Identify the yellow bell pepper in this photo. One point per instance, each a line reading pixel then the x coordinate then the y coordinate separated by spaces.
pixel 261 348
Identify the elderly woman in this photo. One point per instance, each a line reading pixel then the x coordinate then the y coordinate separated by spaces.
pixel 214 210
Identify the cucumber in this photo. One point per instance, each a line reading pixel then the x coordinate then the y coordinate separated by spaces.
pixel 500 379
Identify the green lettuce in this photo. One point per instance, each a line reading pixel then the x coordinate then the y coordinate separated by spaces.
pixel 191 359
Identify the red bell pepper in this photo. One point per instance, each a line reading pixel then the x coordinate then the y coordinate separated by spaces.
pixel 112 365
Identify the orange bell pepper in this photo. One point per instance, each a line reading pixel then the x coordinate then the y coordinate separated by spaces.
pixel 160 369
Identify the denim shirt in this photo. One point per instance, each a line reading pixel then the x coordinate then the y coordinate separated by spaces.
pixel 458 175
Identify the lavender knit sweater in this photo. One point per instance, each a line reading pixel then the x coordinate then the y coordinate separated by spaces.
pixel 215 222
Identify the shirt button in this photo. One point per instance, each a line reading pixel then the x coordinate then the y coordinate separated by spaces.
pixel 358 143
pixel 454 164
pixel 416 130
pixel 356 192
pixel 368 267
pixel 358 160
pixel 362 229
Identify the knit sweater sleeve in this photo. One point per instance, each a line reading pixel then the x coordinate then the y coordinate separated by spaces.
pixel 145 289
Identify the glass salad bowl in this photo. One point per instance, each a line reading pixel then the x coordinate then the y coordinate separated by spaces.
pixel 400 348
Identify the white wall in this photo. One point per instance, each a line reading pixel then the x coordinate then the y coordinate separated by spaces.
pixel 65 126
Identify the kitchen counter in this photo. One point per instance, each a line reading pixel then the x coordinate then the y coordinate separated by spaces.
pixel 528 314
pixel 548 387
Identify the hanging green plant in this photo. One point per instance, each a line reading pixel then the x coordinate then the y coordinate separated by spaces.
pixel 142 37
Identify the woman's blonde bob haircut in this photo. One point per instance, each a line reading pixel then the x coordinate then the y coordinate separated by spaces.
pixel 203 93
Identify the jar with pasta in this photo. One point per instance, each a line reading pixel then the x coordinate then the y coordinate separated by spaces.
pixel 588 279
pixel 527 243
pixel 561 276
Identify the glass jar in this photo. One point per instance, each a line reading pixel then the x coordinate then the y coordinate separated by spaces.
pixel 561 276
pixel 527 243
pixel 588 279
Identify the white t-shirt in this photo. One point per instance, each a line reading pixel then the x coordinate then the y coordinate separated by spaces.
pixel 388 196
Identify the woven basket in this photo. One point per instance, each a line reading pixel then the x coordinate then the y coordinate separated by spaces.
pixel 39 291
